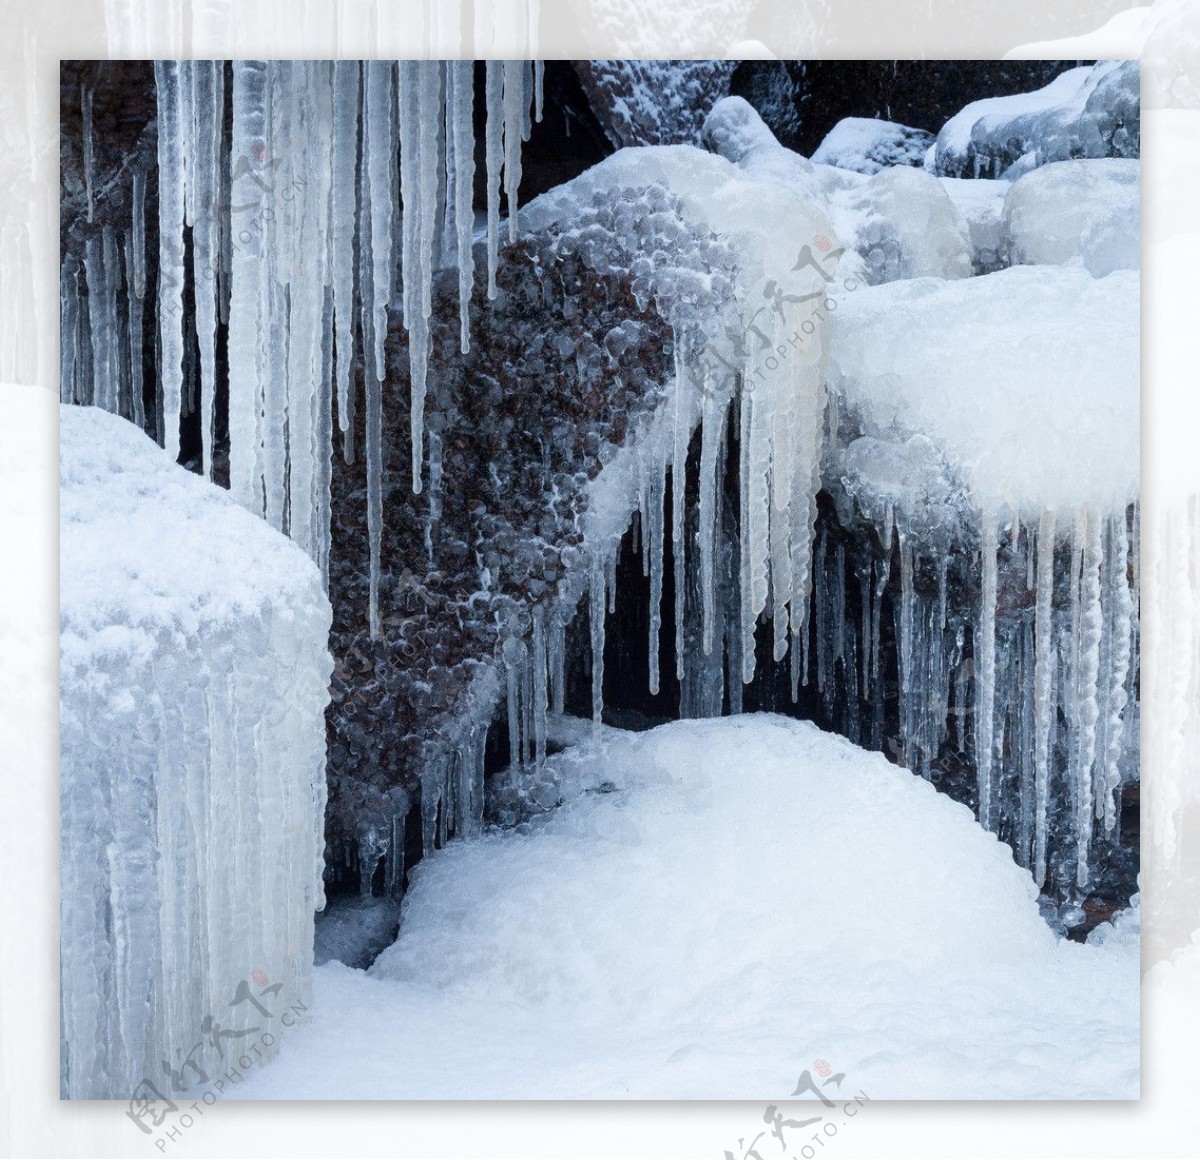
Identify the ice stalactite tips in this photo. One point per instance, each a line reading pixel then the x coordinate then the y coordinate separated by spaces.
pixel 749 350
pixel 341 186
pixel 1038 466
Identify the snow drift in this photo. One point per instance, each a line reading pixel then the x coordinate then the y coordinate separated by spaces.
pixel 713 905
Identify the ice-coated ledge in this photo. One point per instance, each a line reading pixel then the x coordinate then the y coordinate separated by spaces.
pixel 194 679
pixel 1027 378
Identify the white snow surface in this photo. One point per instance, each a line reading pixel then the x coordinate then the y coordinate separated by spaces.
pixel 194 679
pixel 1026 378
pixel 715 905
pixel 1076 212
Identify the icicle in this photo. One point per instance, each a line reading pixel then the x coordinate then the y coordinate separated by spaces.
pixel 278 253
pixel 460 129
pixel 681 431
pixel 711 435
pixel 539 74
pixel 657 487
pixel 1043 704
pixel 596 619
pixel 69 305
pixel 909 685
pixel 494 157
pixel 794 660
pixel 986 667
pixel 85 100
pixel 558 664
pixel 1120 656
pixel 346 100
pixel 539 684
pixel 246 324
pixel 513 662
pixel 136 384
pixel 171 153
pixel 379 137
pixel 1090 628
pixel 420 107
pixel 516 115
pixel 138 256
pixel 208 117
pixel 372 375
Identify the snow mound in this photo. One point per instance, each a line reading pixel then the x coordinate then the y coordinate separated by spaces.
pixel 900 221
pixel 865 145
pixel 715 904
pixel 904 225
pixel 194 674
pixel 1076 212
pixel 1026 378
pixel 1090 111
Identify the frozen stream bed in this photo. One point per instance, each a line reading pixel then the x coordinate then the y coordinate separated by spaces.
pixel 716 905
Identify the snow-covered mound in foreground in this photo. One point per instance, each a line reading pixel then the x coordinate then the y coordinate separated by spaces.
pixel 715 905
pixel 1090 111
pixel 866 145
pixel 1027 377
pixel 1085 212
pixel 194 675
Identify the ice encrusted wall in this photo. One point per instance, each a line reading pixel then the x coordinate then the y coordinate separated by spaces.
pixel 194 680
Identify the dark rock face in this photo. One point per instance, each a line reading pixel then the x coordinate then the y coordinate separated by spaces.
pixel 642 102
pixel 569 353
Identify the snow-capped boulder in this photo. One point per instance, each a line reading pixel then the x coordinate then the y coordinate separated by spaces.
pixel 1090 111
pixel 866 145
pixel 900 221
pixel 1086 212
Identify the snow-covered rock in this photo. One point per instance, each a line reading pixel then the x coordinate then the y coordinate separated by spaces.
pixel 866 145
pixel 713 905
pixel 194 675
pixel 900 221
pixel 653 102
pixel 1090 111
pixel 1086 211
pixel 1028 378
pixel 903 224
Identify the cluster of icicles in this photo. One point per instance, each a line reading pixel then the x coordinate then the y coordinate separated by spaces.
pixel 342 185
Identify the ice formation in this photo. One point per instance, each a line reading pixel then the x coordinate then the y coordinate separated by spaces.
pixel 193 693
pixel 280 196
pixel 646 936
pixel 1076 211
pixel 1090 111
pixel 751 354
pixel 865 145
pixel 1062 488
pixel 981 203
